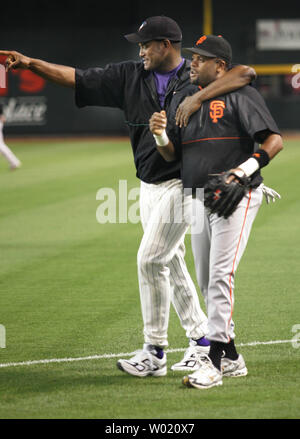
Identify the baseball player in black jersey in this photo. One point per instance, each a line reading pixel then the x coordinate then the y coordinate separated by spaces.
pixel 221 136
pixel 140 89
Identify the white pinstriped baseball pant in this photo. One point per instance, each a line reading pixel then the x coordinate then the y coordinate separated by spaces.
pixel 162 272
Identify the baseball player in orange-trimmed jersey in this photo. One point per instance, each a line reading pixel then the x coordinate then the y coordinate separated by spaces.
pixel 220 137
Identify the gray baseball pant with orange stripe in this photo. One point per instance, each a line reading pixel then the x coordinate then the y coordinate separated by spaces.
pixel 162 272
pixel 217 252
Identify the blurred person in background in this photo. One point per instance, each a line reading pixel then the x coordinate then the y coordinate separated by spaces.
pixel 4 149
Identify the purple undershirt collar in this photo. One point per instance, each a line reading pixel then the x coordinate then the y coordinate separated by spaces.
pixel 162 81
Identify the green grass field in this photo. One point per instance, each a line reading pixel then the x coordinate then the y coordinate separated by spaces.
pixel 69 290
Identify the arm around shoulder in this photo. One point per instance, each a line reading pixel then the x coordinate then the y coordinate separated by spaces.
pixel 234 79
pixel 247 72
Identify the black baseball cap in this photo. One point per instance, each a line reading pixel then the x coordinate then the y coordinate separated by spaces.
pixel 214 46
pixel 156 28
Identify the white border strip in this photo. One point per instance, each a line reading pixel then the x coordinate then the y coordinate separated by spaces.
pixel 122 354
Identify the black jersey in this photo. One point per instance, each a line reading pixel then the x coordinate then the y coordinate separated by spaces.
pixel 129 87
pixel 221 135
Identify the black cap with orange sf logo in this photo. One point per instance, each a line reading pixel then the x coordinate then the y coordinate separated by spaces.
pixel 213 46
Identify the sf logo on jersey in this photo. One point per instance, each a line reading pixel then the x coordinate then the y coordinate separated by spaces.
pixel 216 110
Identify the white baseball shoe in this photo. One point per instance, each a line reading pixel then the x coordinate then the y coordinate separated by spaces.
pixel 205 377
pixel 234 368
pixel 190 361
pixel 16 165
pixel 145 363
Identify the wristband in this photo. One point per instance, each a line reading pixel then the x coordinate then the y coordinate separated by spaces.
pixel 161 140
pixel 258 160
pixel 262 157
pixel 249 166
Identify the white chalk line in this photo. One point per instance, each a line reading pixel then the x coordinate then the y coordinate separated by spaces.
pixel 122 354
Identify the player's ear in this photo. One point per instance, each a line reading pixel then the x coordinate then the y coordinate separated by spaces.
pixel 220 65
pixel 166 43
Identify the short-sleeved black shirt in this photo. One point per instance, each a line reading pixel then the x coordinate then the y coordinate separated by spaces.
pixel 221 135
pixel 129 87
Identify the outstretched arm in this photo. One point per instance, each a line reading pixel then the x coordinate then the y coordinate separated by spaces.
pixel 62 75
pixel 234 79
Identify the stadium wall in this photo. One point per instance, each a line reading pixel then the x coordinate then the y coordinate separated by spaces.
pixel 82 39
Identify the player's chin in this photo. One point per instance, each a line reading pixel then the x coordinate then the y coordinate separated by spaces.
pixel 194 79
pixel 147 65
